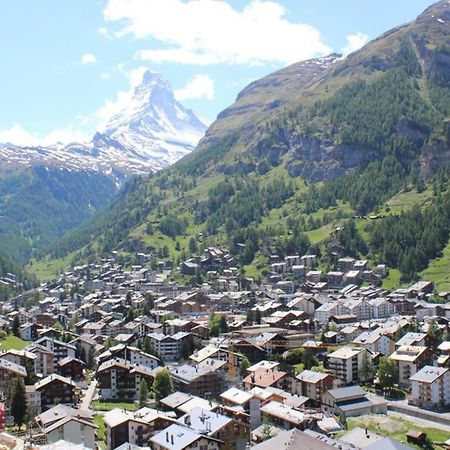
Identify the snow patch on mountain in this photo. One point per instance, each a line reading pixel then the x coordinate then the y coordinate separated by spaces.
pixel 152 132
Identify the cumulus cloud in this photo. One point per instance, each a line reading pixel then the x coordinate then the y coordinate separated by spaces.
pixel 88 58
pixel 18 135
pixel 355 42
pixel 123 98
pixel 201 86
pixel 212 31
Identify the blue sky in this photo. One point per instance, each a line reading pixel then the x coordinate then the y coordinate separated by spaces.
pixel 69 64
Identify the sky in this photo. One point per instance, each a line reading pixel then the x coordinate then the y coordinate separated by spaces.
pixel 68 65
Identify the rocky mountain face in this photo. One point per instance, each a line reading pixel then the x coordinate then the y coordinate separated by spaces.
pixel 152 132
pixel 292 117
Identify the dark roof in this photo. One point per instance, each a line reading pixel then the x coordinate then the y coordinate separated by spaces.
pixel 345 392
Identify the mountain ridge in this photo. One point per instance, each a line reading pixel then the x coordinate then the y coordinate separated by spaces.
pixel 315 151
pixel 153 131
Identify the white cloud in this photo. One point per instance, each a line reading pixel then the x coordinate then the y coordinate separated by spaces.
pixel 201 86
pixel 212 31
pixel 104 75
pixel 122 100
pixel 18 135
pixel 355 42
pixel 88 58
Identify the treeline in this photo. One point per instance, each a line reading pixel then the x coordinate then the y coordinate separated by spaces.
pixel 410 240
pixel 242 202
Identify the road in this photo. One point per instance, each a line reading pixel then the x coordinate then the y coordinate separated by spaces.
pixel 89 395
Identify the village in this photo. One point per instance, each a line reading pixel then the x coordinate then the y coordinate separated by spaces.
pixel 115 356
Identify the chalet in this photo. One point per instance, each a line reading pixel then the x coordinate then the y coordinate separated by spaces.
pixel 10 374
pixel 264 378
pixel 203 381
pixel 178 437
pixel 313 384
pixel 120 379
pixel 55 390
pixel 71 368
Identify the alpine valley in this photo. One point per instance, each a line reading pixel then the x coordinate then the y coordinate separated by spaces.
pixel 46 191
pixel 347 156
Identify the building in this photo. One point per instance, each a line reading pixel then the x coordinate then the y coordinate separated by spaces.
pixel 131 354
pixel 430 387
pixel 233 434
pixel 410 359
pixel 120 379
pixel 203 381
pixel 346 363
pixel 60 349
pixel 169 347
pixel 56 390
pixel 251 405
pixel 375 342
pixel 294 440
pixel 352 401
pixel 178 437
pixel 313 384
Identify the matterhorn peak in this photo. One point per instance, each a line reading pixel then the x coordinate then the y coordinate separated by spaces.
pixel 154 126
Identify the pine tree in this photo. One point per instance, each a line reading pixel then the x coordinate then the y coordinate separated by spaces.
pixel 19 404
pixel 16 326
pixel 143 393
pixel 366 369
pixel 245 364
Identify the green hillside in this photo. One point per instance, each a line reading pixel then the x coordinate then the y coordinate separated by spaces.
pixel 298 155
pixel 66 200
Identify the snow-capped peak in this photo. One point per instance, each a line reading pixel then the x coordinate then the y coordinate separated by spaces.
pixel 154 125
pixel 151 132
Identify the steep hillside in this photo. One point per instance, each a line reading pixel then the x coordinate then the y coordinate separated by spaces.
pixel 298 153
pixel 39 204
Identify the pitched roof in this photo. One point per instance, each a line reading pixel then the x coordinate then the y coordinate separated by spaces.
pixel 293 440
pixel 264 377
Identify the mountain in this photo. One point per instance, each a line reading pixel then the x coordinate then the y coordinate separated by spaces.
pixel 154 127
pixel 299 153
pixel 45 191
pixel 152 131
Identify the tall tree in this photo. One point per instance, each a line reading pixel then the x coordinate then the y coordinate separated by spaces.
pixel 143 393
pixel 16 325
pixel 162 385
pixel 387 372
pixel 245 364
pixel 19 404
pixel 366 369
